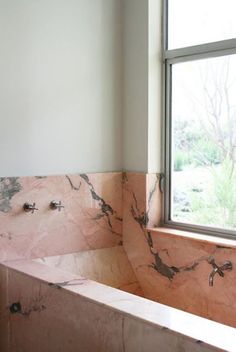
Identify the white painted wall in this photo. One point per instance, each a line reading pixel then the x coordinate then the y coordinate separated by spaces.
pixel 142 85
pixel 60 86
pixel 61 91
pixel 135 113
pixel 155 67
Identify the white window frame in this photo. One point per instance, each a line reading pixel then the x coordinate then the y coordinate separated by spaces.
pixel 170 57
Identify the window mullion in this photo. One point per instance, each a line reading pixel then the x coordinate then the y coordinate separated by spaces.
pixel 225 47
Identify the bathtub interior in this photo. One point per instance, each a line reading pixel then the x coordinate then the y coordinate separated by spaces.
pixel 108 266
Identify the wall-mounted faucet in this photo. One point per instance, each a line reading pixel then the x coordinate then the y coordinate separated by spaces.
pixel 218 269
pixel 29 207
pixel 56 205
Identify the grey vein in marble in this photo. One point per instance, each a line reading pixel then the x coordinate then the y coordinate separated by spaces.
pixel 106 209
pixel 162 268
pixel 9 186
pixel 73 187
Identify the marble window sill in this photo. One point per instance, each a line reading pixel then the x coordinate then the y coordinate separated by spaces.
pixel 195 236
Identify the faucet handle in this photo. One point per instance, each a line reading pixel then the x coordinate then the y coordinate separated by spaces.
pixel 227 265
pixel 29 207
pixel 56 205
pixel 218 269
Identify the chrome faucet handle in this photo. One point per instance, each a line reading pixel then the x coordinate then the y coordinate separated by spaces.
pixel 227 265
pixel 56 205
pixel 218 269
pixel 29 207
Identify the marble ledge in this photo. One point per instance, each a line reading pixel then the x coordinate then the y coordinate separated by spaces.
pixel 218 241
pixel 207 332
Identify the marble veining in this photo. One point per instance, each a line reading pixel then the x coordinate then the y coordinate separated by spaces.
pixel 106 209
pixel 171 271
pixel 150 184
pixel 73 282
pixel 9 186
pixel 73 187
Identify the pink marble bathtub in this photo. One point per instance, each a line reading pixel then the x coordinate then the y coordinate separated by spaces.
pixel 47 306
pixel 97 299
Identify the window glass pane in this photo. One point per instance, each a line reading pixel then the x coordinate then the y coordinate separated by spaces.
pixel 193 22
pixel 203 176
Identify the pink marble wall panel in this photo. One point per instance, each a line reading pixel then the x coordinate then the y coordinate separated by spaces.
pixel 92 217
pixel 171 269
pixel 51 310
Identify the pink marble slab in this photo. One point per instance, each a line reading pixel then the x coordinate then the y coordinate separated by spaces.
pixel 58 311
pixel 92 217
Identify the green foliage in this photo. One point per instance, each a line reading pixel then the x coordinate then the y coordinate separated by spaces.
pixel 224 181
pixel 181 159
pixel 203 208
pixel 215 205
pixel 190 141
pixel 205 152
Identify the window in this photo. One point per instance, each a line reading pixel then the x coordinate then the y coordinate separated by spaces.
pixel 200 114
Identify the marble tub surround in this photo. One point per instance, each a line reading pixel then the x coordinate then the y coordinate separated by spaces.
pixel 109 266
pixel 60 311
pixel 91 219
